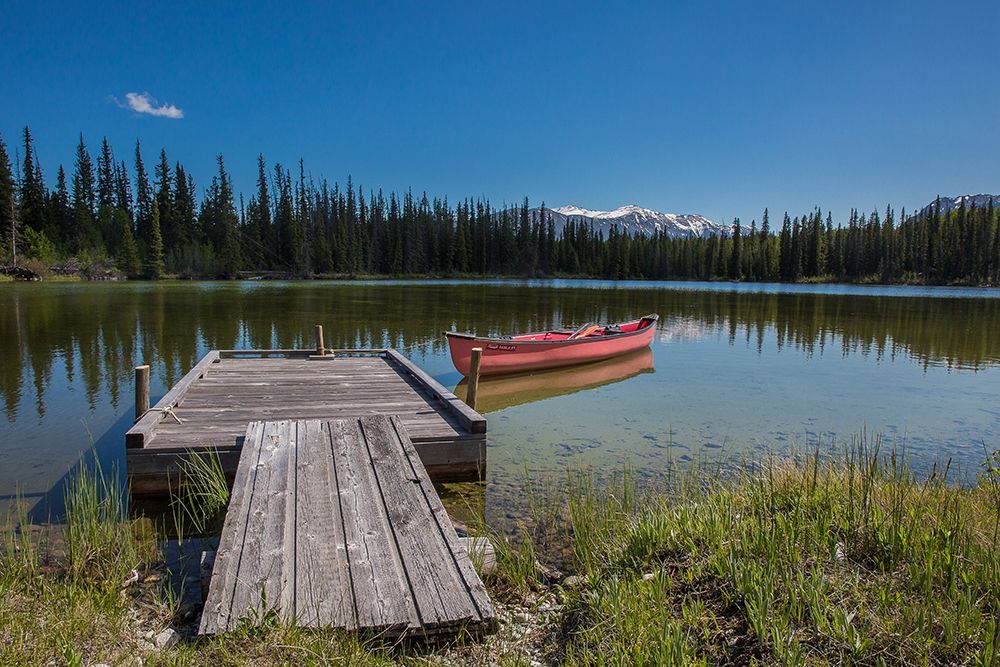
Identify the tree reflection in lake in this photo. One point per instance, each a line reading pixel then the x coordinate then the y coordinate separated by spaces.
pixel 68 352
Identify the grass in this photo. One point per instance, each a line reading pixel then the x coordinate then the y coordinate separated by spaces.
pixel 203 495
pixel 800 561
pixel 849 561
pixel 68 595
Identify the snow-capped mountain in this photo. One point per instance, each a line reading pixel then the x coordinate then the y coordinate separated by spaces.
pixel 634 220
pixel 949 204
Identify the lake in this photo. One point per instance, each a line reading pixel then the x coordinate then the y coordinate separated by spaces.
pixel 735 370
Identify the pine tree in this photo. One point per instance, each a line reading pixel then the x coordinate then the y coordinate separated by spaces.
pixel 524 250
pixel 888 259
pixel 165 201
pixel 8 204
pixel 106 184
pixel 289 254
pixel 144 213
pixel 735 259
pixel 832 264
pixel 61 211
pixel 83 233
pixel 185 214
pixel 259 232
pixel 105 176
pixel 785 247
pixel 127 254
pixel 795 256
pixel 123 190
pixel 720 260
pixel 770 259
pixel 231 262
pixel 32 189
pixel 817 251
pixel 153 262
pixel 995 224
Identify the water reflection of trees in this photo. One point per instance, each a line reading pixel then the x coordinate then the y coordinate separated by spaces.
pixel 101 332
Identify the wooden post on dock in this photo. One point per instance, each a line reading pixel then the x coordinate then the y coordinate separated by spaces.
pixel 141 391
pixel 470 397
pixel 320 346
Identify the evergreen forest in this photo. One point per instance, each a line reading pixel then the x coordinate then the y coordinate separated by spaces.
pixel 130 220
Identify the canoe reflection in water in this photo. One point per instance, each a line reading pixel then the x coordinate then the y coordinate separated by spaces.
pixel 501 392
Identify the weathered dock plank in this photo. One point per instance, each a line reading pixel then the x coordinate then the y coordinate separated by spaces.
pixel 218 601
pixel 322 573
pixel 334 523
pixel 209 409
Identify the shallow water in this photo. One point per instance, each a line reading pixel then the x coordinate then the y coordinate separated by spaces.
pixel 735 370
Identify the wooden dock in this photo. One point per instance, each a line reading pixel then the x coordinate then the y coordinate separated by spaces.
pixel 335 523
pixel 210 407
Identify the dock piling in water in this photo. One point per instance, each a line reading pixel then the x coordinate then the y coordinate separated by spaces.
pixel 471 395
pixel 320 345
pixel 141 391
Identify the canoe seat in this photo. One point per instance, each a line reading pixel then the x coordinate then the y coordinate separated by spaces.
pixel 584 331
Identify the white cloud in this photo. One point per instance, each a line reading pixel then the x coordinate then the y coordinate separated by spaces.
pixel 146 103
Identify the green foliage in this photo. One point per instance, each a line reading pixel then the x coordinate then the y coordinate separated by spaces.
pixel 101 545
pixel 204 492
pixel 8 201
pixel 32 198
pixel 630 621
pixel 153 265
pixel 846 561
pixel 301 226
pixel 81 232
pixel 843 560
pixel 127 256
pixel 38 246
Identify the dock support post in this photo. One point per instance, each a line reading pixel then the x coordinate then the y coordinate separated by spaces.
pixel 320 346
pixel 141 391
pixel 477 356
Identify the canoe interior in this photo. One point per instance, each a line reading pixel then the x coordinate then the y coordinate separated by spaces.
pixel 597 332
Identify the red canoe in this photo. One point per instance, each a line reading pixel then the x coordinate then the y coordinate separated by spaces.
pixel 551 349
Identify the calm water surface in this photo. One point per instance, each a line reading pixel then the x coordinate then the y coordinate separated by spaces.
pixel 734 370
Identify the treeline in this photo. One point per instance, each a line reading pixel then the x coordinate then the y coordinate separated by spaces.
pixel 114 212
pixel 931 247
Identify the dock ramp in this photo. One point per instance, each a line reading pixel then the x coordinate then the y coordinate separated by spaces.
pixel 335 523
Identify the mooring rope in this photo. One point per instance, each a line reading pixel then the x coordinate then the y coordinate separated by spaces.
pixel 167 412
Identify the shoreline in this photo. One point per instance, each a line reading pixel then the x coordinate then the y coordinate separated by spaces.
pixel 341 277
pixel 843 559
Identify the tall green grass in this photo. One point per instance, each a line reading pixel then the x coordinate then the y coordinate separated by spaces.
pixel 102 543
pixel 70 598
pixel 848 559
pixel 202 495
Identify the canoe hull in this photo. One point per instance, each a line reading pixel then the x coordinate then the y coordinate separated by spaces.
pixel 518 356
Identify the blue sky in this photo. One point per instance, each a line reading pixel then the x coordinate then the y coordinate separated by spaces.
pixel 714 108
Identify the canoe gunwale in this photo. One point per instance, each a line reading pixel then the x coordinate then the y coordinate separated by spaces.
pixel 653 318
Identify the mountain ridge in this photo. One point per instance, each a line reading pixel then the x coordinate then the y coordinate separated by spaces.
pixel 633 219
pixel 949 204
